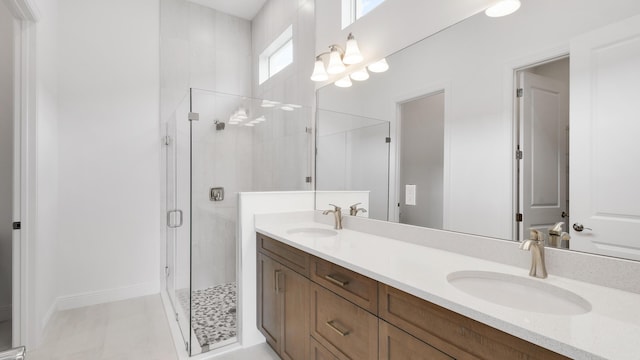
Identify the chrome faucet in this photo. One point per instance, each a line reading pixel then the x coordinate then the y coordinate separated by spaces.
pixel 337 212
pixel 353 209
pixel 536 245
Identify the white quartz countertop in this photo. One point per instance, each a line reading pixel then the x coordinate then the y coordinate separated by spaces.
pixel 611 330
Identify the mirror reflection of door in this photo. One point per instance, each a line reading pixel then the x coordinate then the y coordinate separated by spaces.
pixel 543 147
pixel 421 160
pixel 605 207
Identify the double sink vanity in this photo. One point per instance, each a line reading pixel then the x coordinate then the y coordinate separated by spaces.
pixel 377 290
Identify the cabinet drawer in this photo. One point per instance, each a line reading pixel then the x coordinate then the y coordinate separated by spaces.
pixel 396 344
pixel 296 260
pixel 345 329
pixel 354 287
pixel 319 352
pixel 442 328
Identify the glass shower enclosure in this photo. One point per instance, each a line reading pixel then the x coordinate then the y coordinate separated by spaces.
pixel 216 146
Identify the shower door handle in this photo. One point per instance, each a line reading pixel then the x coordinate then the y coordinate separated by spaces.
pixel 169 224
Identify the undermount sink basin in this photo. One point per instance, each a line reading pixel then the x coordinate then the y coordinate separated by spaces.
pixel 519 292
pixel 312 232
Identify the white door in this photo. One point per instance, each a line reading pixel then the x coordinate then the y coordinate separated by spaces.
pixel 544 114
pixel 605 145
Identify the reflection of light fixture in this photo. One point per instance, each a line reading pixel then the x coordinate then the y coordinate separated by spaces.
pixel 379 66
pixel 249 124
pixel 352 53
pixel 360 75
pixel 242 114
pixel 261 118
pixel 502 8
pixel 287 107
pixel 344 82
pixel 336 66
pixel 269 103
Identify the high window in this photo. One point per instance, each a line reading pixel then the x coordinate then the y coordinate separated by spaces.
pixel 353 10
pixel 276 56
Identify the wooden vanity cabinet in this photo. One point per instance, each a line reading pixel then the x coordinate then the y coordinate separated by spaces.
pixel 283 300
pixel 309 308
pixel 455 335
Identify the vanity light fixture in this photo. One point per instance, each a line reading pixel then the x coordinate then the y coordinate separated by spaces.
pixel 345 82
pixel 379 66
pixel 503 8
pixel 319 72
pixel 352 53
pixel 338 58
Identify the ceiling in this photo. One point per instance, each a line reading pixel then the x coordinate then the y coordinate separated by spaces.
pixel 246 9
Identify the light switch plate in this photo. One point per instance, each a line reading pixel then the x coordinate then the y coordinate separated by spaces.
pixel 409 194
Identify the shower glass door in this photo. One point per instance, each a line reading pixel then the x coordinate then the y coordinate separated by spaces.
pixel 239 144
pixel 178 169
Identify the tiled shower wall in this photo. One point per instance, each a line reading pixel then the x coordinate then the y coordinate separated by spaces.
pixel 282 149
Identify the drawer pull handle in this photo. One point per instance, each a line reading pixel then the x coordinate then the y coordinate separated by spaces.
pixel 331 325
pixel 336 281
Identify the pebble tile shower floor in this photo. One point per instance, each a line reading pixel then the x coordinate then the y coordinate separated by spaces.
pixel 214 314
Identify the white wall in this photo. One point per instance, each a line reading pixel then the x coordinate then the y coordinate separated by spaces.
pixel 109 146
pixel 473 60
pixel 6 158
pixel 46 245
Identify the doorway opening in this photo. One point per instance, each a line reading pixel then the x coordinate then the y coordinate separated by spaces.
pixel 542 148
pixel 421 161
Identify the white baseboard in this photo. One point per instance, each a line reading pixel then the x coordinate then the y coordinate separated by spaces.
pixel 108 295
pixel 45 320
pixel 5 312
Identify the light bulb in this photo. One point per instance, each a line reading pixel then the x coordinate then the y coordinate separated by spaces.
pixel 345 82
pixel 319 72
pixel 379 66
pixel 360 75
pixel 502 8
pixel 336 66
pixel 352 53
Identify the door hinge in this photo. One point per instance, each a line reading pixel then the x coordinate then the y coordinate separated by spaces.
pixel 17 225
pixel 166 140
pixel 518 217
pixel 194 116
pixel 308 130
pixel 186 346
pixel 518 154
pixel 520 92
pixel 166 271
pixel 177 319
pixel 387 140
pixel 307 179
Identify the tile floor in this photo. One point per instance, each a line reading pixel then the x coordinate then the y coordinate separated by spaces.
pixel 135 329
pixel 123 330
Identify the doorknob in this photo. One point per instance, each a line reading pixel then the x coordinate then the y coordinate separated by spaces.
pixel 564 214
pixel 579 227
